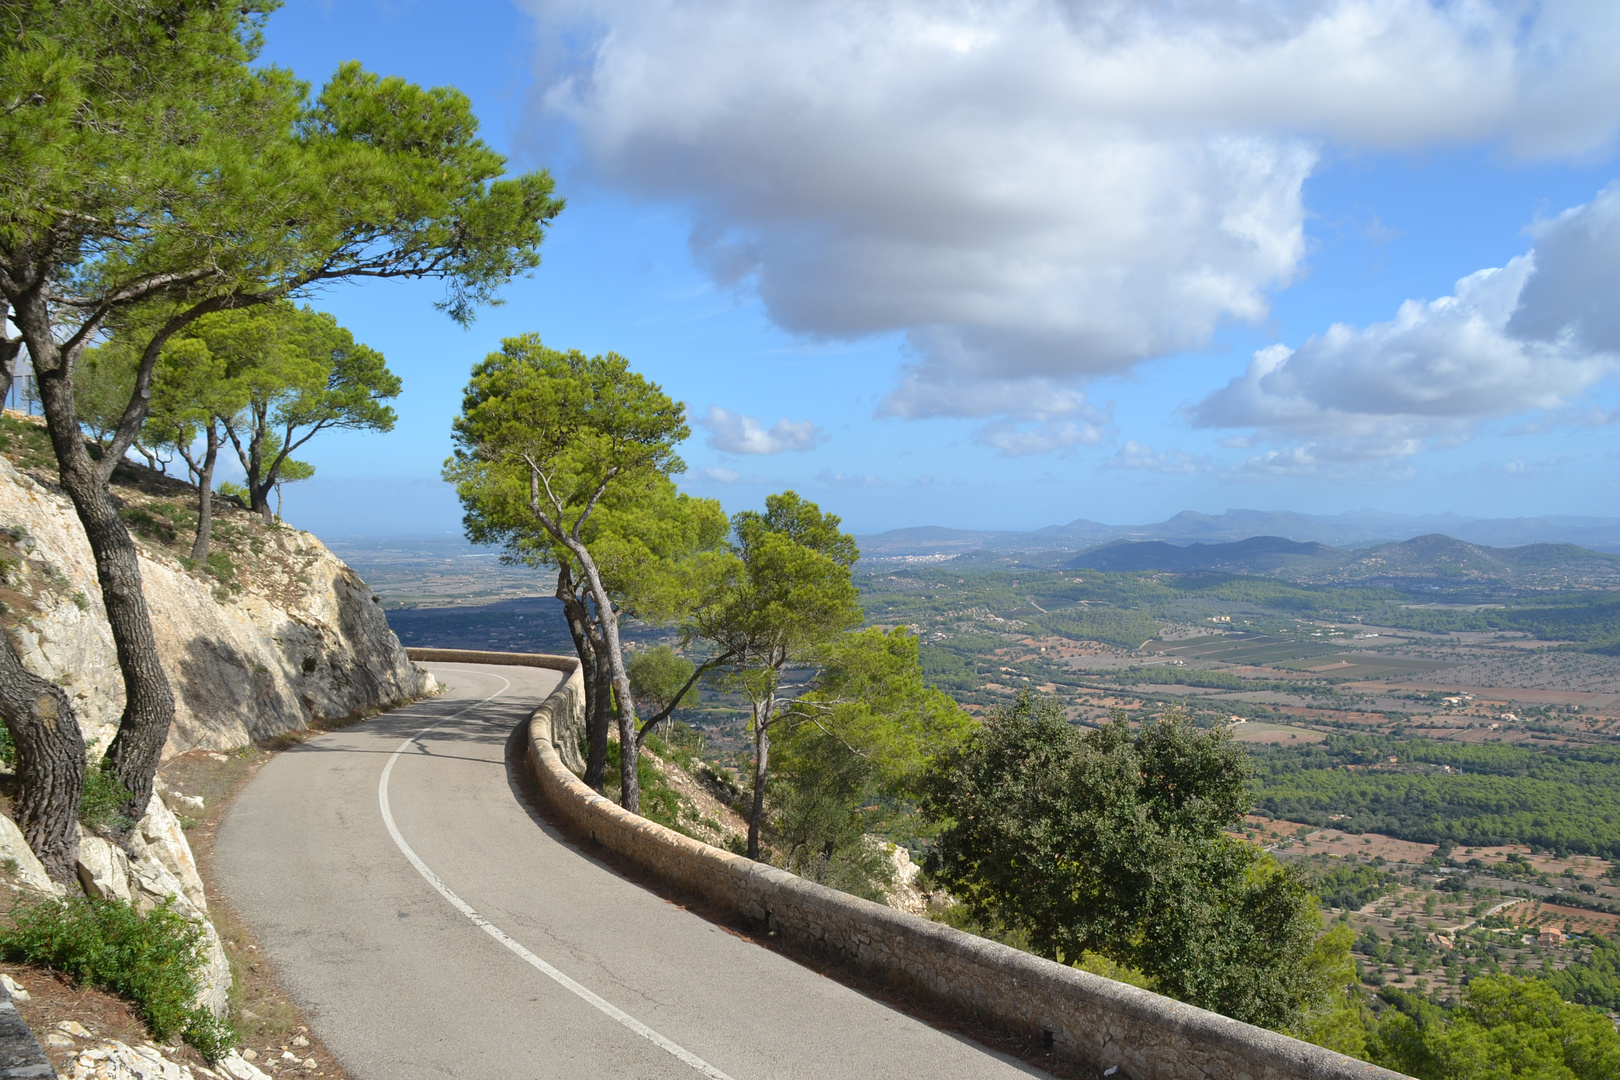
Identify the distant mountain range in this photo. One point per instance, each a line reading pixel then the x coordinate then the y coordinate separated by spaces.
pixel 1354 530
pixel 1424 558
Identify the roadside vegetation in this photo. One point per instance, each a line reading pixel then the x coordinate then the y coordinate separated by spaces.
pixel 150 958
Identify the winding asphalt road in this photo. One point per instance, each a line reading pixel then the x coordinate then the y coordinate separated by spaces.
pixel 432 925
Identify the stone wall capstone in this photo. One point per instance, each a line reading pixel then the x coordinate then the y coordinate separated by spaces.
pixel 1082 1017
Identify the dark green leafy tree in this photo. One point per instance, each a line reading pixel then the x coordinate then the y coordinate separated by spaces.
pixel 661 681
pixel 782 595
pixel 301 374
pixel 148 162
pixel 1505 1029
pixel 1593 981
pixel 549 447
pixel 1113 842
pixel 849 758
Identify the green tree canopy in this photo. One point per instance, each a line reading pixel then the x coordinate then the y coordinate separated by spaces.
pixel 560 452
pixel 850 757
pixel 1504 1029
pixel 780 597
pixel 1112 842
pixel 298 373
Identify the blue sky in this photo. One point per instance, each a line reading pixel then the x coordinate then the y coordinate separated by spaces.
pixel 1010 264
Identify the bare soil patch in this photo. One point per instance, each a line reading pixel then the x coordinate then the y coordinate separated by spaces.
pixel 1252 732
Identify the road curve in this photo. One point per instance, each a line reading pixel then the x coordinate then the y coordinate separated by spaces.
pixel 431 925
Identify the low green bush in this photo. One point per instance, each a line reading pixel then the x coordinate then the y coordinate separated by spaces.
pixel 659 801
pixel 101 806
pixel 150 959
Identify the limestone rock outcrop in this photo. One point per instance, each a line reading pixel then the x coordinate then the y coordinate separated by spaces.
pixel 301 636
pixel 157 865
pixel 110 1059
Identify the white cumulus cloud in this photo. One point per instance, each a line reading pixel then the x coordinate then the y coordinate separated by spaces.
pixel 734 433
pixel 1036 192
pixel 1143 457
pixel 851 480
pixel 1525 337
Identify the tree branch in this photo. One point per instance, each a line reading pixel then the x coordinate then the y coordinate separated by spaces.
pixel 702 669
pixel 591 504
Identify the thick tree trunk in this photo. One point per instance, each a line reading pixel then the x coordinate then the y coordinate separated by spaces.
pixel 762 757
pixel 251 455
pixel 148 700
pixel 205 497
pixel 598 723
pixel 624 706
pixel 590 647
pixel 50 763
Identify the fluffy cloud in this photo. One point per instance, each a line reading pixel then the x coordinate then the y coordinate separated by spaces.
pixel 851 480
pixel 1014 439
pixel 1036 191
pixel 723 477
pixel 734 433
pixel 1527 336
pixel 1142 456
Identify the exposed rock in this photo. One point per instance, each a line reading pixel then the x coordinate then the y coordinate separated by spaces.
pixel 903 895
pixel 177 801
pixel 74 1028
pixel 304 639
pixel 163 867
pixel 236 1068
pixel 14 988
pixel 114 1060
pixel 14 851
pixel 158 838
pixel 103 868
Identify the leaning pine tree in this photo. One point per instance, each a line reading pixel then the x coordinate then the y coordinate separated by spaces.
pixel 545 443
pixel 149 164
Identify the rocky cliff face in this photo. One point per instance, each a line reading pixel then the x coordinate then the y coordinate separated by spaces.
pixel 276 631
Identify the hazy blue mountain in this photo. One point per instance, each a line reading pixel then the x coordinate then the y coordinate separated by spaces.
pixel 1433 557
pixel 1355 529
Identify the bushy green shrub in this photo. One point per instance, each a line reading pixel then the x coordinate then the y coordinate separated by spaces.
pixel 659 801
pixel 101 806
pixel 151 959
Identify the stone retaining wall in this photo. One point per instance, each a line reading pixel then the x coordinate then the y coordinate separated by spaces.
pixel 567 701
pixel 1083 1017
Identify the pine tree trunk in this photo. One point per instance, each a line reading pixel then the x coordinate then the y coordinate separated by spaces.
pixel 205 498
pixel 762 756
pixel 148 700
pixel 260 503
pixel 601 718
pixel 50 763
pixel 593 673
pixel 619 681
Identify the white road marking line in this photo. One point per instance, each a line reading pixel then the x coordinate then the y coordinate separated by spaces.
pixel 497 933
